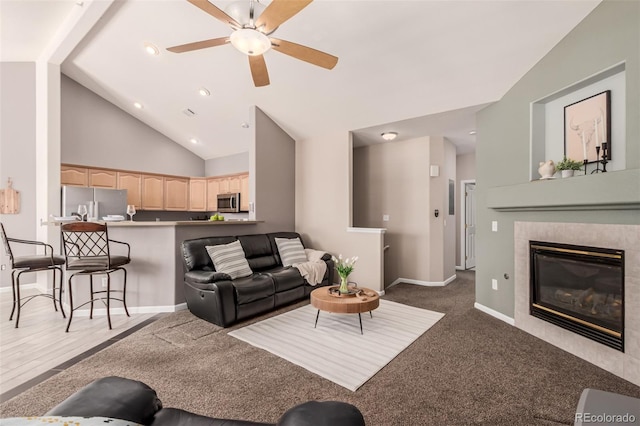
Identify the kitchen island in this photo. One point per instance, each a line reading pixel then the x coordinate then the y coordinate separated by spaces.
pixel 155 274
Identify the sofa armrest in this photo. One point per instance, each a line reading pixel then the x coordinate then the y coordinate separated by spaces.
pixel 325 413
pixel 326 257
pixel 114 397
pixel 203 277
pixel 214 302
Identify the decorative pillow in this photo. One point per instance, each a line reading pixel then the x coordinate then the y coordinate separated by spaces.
pixel 229 258
pixel 291 251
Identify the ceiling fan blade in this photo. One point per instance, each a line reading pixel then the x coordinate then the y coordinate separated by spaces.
pixel 259 70
pixel 304 53
pixel 215 12
pixel 198 45
pixel 278 12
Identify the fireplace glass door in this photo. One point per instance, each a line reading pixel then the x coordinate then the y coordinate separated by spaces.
pixel 580 289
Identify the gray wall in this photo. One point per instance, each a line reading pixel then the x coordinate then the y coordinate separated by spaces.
pixel 275 174
pixel 97 133
pixel 230 164
pixel 17 155
pixel 608 36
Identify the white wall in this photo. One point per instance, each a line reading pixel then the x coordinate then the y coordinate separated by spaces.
pixel 465 170
pixel 17 155
pixel 97 133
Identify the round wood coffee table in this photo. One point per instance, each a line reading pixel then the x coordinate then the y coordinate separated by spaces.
pixel 368 300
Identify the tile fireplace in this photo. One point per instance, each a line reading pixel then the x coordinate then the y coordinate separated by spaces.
pixel 602 290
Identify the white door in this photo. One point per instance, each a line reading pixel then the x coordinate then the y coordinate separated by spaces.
pixel 470 225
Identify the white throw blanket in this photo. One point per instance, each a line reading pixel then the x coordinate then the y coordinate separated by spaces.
pixel 314 269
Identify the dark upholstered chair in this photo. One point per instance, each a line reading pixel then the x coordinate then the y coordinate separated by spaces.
pixel 32 263
pixel 87 252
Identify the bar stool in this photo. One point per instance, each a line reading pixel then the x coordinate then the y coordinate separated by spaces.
pixel 87 251
pixel 32 263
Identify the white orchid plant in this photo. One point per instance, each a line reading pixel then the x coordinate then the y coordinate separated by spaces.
pixel 344 266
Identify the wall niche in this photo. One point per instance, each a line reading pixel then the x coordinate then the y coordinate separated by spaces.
pixel 547 120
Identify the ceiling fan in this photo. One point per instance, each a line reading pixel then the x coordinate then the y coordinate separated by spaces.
pixel 252 23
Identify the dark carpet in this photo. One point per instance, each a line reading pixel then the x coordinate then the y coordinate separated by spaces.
pixel 470 368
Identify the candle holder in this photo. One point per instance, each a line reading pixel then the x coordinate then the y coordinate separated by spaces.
pixel 603 161
pixel 585 162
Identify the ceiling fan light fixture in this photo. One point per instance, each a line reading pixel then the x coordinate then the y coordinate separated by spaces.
pixel 245 11
pixel 250 42
pixel 389 136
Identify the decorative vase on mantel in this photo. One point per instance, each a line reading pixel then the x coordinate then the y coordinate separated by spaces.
pixel 344 287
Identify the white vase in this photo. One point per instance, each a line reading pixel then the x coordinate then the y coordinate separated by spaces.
pixel 567 173
pixel 547 169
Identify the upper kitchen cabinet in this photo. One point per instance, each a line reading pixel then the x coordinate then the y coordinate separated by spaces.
pixel 152 192
pixel 244 193
pixel 99 178
pixel 132 182
pixel 213 189
pixel 176 193
pixel 74 176
pixel 198 194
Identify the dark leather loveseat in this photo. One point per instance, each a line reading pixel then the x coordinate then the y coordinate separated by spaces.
pixel 134 401
pixel 215 297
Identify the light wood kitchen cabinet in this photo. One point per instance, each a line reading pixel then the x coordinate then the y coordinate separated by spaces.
pixel 152 192
pixel 213 189
pixel 234 184
pixel 223 185
pixel 176 193
pixel 244 192
pixel 74 176
pixel 99 178
pixel 198 195
pixel 132 182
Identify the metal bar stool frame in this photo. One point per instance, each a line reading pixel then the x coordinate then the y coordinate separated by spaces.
pixel 87 250
pixel 37 263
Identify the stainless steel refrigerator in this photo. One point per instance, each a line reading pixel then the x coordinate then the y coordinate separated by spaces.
pixel 108 201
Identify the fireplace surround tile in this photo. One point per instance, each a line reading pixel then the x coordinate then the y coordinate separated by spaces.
pixel 625 237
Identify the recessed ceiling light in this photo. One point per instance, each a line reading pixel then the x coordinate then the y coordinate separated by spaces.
pixel 473 132
pixel 389 136
pixel 204 91
pixel 193 141
pixel 151 49
pixel 137 105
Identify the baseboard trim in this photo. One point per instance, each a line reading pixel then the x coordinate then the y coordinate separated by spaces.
pixel 495 314
pixel 134 310
pixel 423 283
pixel 459 268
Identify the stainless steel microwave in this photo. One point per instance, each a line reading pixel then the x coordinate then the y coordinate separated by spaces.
pixel 229 203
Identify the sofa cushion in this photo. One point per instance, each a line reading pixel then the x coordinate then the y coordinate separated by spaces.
pixel 285 278
pixel 255 287
pixel 291 251
pixel 258 251
pixel 230 259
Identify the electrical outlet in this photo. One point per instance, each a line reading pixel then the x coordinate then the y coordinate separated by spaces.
pixel 385 218
pixel 3 267
pixel 494 284
pixel 494 226
pixel 104 282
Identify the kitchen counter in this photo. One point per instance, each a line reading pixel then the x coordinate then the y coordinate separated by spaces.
pixel 128 223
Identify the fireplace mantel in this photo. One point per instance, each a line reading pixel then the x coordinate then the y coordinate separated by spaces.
pixel 590 192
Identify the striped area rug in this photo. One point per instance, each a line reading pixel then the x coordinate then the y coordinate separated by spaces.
pixel 335 349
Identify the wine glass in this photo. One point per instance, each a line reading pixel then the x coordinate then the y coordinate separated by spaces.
pixel 131 210
pixel 82 211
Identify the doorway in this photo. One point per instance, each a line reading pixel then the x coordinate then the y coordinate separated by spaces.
pixel 468 224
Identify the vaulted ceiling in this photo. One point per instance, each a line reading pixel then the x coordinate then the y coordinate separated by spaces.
pixel 398 61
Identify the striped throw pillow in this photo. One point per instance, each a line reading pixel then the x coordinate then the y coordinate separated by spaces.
pixel 291 251
pixel 229 258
